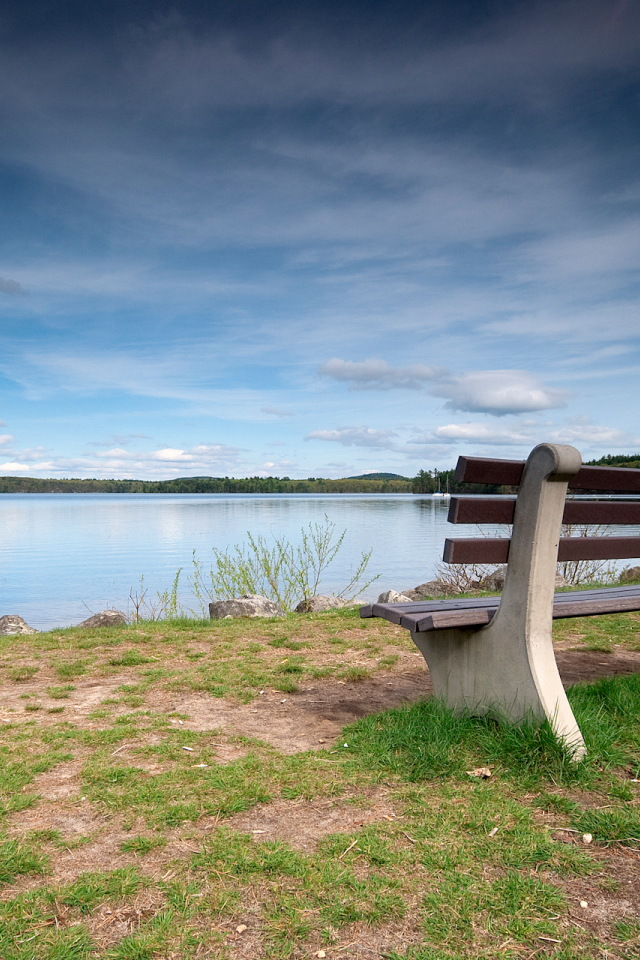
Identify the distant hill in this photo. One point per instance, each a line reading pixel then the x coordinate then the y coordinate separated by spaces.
pixel 379 476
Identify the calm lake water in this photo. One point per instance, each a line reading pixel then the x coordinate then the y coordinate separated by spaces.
pixel 64 556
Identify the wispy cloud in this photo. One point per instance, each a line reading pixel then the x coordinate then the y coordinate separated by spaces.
pixel 577 430
pixel 356 437
pixel 228 199
pixel 276 411
pixel 12 287
pixel 378 374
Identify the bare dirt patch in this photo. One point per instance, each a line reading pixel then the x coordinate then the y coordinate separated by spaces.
pixel 301 823
pixel 294 722
pixel 594 903
pixel 576 666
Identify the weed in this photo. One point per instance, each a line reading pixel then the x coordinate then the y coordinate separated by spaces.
pixel 60 693
pixel 17 858
pixel 22 674
pixel 142 845
pixel 355 673
pixel 69 671
pixel 90 889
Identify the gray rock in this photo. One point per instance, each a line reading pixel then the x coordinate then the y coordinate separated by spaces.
pixel 319 603
pixel 431 590
pixel 392 596
pixel 495 581
pixel 11 624
pixel 249 605
pixel 106 618
pixel 630 575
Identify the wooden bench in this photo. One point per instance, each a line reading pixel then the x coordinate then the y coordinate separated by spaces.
pixel 495 654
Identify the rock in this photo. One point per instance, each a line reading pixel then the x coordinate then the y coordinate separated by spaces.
pixel 249 605
pixel 431 590
pixel 495 581
pixel 630 575
pixel 319 603
pixel 11 624
pixel 392 596
pixel 106 618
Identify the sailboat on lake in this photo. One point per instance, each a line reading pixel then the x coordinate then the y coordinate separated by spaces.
pixel 438 493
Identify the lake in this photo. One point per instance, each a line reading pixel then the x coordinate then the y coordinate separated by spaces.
pixel 65 556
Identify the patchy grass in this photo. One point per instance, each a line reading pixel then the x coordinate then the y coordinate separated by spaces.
pixel 128 831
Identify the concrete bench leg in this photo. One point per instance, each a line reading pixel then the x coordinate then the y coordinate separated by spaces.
pixel 508 668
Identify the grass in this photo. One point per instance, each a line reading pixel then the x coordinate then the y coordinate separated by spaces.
pixel 387 845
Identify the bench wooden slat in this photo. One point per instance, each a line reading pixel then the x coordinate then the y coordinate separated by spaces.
pixel 501 510
pixel 509 473
pixel 496 549
pixel 395 611
pixel 449 619
pixel 471 612
pixel 620 479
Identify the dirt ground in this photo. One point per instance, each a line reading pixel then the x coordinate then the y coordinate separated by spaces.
pixel 306 720
pixel 293 722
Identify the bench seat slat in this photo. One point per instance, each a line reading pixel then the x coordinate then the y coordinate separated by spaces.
pixel 501 510
pixel 496 549
pixel 509 473
pixel 394 611
pixel 470 612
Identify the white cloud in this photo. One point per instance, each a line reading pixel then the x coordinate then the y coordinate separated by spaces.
pixel 6 438
pixel 204 455
pixel 498 392
pixel 14 466
pixel 378 374
pixel 356 437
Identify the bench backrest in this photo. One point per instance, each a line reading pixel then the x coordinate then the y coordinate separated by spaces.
pixel 503 509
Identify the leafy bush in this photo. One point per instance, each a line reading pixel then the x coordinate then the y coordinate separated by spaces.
pixel 278 570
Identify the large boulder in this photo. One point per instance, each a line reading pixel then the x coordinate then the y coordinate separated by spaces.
pixel 106 618
pixel 431 590
pixel 249 605
pixel 630 575
pixel 11 624
pixel 392 596
pixel 319 602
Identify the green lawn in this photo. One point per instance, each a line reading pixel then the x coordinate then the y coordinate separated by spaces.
pixel 131 828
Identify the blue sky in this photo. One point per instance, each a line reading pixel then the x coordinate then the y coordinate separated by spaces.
pixel 309 239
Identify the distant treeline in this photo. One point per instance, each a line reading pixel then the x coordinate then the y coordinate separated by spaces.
pixel 426 481
pixel 442 481
pixel 206 485
pixel 617 460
